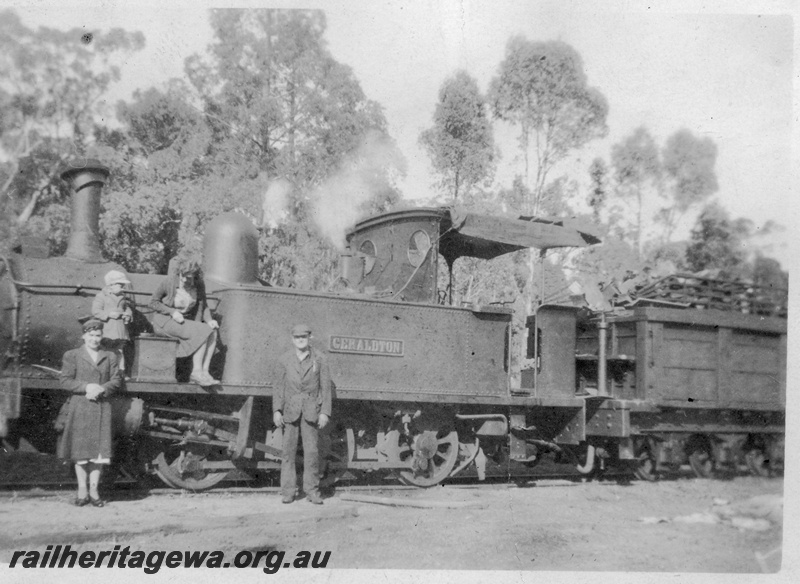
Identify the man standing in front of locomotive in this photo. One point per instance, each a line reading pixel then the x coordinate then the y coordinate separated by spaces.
pixel 302 405
pixel 92 375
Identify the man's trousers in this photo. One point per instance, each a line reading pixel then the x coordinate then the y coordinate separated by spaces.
pixel 309 434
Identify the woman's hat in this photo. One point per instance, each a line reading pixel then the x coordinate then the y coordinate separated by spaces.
pixel 116 277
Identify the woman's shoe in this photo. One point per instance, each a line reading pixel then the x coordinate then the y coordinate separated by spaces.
pixel 199 379
pixel 210 380
pixel 96 502
pixel 78 502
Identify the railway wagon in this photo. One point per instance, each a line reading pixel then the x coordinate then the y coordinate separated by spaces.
pixel 422 387
pixel 700 385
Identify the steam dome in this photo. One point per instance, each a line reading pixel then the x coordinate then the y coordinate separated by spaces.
pixel 230 250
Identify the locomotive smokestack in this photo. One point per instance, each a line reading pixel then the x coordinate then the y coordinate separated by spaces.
pixel 86 178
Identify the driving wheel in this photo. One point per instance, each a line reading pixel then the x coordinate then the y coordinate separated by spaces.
pixel 433 456
pixel 183 469
pixel 701 459
pixel 758 462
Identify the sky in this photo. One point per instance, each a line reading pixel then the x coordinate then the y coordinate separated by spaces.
pixel 724 71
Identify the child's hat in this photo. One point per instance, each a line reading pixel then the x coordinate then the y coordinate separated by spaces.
pixel 116 277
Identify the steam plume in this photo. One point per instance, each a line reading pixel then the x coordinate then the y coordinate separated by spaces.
pixel 273 205
pixel 342 199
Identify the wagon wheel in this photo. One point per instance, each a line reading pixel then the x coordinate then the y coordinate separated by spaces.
pixel 758 462
pixel 182 469
pixel 701 459
pixel 434 458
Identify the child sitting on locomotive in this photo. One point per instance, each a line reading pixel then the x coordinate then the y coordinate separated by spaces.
pixel 181 312
pixel 114 309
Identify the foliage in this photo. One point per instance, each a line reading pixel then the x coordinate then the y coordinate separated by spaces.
pixel 688 164
pixel 610 272
pixel 717 243
pixel 139 228
pixel 680 175
pixel 169 136
pixel 767 272
pixel 673 253
pixel 542 87
pixel 636 166
pixel 273 127
pixel 51 85
pixel 277 100
pixel 280 107
pixel 719 247
pixel 460 143
pixel 598 174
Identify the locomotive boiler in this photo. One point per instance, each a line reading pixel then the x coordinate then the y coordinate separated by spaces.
pixel 423 388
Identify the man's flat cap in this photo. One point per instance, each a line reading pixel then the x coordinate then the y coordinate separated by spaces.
pixel 301 330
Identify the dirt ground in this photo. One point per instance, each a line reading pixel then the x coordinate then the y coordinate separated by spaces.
pixel 544 525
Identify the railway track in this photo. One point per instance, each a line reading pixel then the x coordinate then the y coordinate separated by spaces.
pixel 34 474
pixel 131 491
pixel 127 489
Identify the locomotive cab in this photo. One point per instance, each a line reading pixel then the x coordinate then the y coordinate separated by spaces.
pixel 394 255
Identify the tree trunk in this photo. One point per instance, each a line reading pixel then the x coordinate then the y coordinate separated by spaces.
pixel 27 212
pixel 639 225
pixel 29 209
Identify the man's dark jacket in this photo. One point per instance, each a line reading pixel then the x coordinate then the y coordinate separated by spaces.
pixel 304 388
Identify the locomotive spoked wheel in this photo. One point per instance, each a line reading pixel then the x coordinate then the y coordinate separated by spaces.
pixel 433 457
pixel 701 459
pixel 182 469
pixel 758 462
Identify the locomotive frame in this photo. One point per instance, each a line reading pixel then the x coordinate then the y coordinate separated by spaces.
pixel 422 388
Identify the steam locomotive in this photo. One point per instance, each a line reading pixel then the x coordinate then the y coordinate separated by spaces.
pixel 423 387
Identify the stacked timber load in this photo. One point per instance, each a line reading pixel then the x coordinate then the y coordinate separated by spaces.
pixel 693 291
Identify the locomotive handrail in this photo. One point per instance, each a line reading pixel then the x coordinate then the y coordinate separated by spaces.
pixel 29 286
pixel 46 369
pixel 411 277
pixel 79 288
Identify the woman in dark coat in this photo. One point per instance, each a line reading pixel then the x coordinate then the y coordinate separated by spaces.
pixel 181 312
pixel 92 375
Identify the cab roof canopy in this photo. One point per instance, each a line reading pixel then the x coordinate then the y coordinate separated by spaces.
pixel 398 251
pixel 466 234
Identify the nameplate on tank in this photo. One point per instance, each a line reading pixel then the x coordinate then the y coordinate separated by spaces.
pixel 366 346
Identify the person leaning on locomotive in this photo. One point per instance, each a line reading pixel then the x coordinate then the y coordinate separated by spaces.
pixel 92 375
pixel 181 312
pixel 302 405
